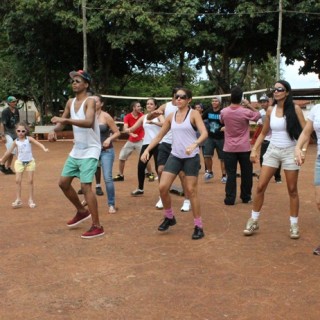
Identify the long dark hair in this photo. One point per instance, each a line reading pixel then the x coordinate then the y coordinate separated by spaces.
pixel 293 125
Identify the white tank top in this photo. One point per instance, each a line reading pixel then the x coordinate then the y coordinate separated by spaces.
pixel 183 135
pixel 87 140
pixel 24 150
pixel 150 130
pixel 169 109
pixel 279 135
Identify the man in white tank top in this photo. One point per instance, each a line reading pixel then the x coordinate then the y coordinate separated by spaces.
pixel 82 162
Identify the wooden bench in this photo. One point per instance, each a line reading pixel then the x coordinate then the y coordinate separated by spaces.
pixel 42 130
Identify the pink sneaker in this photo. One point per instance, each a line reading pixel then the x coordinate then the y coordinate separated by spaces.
pixel 93 232
pixel 78 218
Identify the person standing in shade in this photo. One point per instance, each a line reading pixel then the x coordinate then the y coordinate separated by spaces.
pixel 264 102
pixel 286 121
pixel 184 156
pixel 82 162
pixel 215 140
pixel 9 119
pixel 236 148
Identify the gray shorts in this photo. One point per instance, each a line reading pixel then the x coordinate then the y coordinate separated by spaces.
pixel 210 144
pixel 190 166
pixel 317 172
pixel 128 148
pixel 275 156
pixel 9 142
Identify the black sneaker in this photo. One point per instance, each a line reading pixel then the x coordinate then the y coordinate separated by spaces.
pixel 9 171
pixel 197 233
pixel 99 191
pixel 118 177
pixel 2 168
pixel 166 223
pixel 137 192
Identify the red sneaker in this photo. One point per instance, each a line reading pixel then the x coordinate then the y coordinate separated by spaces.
pixel 78 218
pixel 93 232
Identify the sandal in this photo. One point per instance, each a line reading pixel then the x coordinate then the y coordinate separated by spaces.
pixel 112 209
pixel 16 204
pixel 31 204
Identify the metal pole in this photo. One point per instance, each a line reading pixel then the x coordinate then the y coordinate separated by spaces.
pixel 279 40
pixel 84 32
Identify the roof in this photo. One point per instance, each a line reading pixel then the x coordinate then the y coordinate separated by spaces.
pixel 306 94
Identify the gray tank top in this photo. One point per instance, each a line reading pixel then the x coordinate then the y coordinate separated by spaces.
pixel 104 134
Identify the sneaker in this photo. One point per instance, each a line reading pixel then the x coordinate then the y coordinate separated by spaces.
pixel 159 204
pixel 2 168
pixel 294 231
pixel 16 204
pixel 224 179
pixel 247 201
pixel 197 233
pixel 251 227
pixel 78 218
pixel 112 209
pixel 278 180
pixel 8 171
pixel 208 175
pixel 151 177
pixel 229 202
pixel 93 232
pixel 137 192
pixel 118 177
pixel 99 191
pixel 166 223
pixel 316 251
pixel 186 206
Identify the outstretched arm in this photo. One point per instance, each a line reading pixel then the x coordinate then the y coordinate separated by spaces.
pixel 37 143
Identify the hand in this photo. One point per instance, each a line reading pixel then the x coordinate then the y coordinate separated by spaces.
pixel 56 120
pixel 106 143
pixel 133 135
pixel 52 136
pixel 190 148
pixel 253 156
pixel 299 156
pixel 145 156
pixel 45 149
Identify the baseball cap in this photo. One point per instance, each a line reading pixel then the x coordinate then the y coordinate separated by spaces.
pixel 81 73
pixel 11 99
pixel 264 98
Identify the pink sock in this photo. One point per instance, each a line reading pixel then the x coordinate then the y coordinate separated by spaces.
pixel 168 213
pixel 198 222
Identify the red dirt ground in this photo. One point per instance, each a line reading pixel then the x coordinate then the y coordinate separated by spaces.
pixel 134 272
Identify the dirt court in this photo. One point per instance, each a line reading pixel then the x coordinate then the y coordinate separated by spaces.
pixel 135 272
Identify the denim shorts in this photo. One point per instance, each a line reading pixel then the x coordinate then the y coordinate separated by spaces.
pixel 210 144
pixel 317 171
pixel 275 156
pixel 190 166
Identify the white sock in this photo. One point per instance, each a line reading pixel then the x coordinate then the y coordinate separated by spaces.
pixel 293 220
pixel 255 215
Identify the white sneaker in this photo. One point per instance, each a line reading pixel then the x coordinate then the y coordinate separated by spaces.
pixel 186 205
pixel 208 175
pixel 224 179
pixel 159 204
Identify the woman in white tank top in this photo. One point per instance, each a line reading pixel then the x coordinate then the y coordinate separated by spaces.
pixel 286 122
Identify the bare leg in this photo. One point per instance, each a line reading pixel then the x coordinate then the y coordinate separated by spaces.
pixel 18 185
pixel 91 200
pixel 208 162
pixel 191 184
pixel 30 181
pixel 292 186
pixel 164 188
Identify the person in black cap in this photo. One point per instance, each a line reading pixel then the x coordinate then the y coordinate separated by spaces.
pixel 10 117
pixel 80 112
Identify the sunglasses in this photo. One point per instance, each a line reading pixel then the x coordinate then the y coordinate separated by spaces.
pixel 75 81
pixel 279 89
pixel 22 131
pixel 181 96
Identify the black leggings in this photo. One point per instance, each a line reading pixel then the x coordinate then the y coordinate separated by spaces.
pixel 142 166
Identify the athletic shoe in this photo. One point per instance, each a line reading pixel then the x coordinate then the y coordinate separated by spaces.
pixel 278 180
pixel 151 177
pixel 93 232
pixel 16 204
pixel 99 191
pixel 166 223
pixel 197 233
pixel 247 201
pixel 78 218
pixel 2 168
pixel 159 204
pixel 137 192
pixel 9 171
pixel 224 179
pixel 208 175
pixel 251 227
pixel 316 251
pixel 294 231
pixel 118 177
pixel 186 206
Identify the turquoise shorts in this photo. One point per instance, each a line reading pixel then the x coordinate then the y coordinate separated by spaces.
pixel 84 169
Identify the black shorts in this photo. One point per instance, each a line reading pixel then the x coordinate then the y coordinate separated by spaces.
pixel 164 151
pixel 190 166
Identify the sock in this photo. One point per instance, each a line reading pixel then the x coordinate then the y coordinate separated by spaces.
pixel 255 215
pixel 198 222
pixel 98 185
pixel 293 220
pixel 168 213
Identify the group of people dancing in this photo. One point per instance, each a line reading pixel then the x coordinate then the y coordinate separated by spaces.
pixel 173 135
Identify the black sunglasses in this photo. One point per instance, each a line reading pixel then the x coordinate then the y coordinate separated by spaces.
pixel 181 96
pixel 23 131
pixel 279 89
pixel 75 81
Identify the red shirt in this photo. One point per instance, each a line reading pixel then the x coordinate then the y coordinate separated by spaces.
pixel 130 120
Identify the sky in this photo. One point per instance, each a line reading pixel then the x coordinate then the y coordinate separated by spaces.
pixel 290 74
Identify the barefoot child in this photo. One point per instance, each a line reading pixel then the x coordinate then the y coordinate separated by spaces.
pixel 24 162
